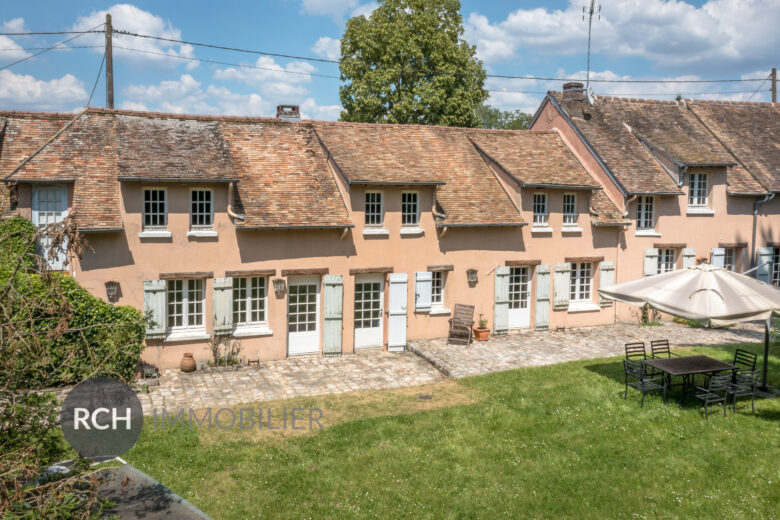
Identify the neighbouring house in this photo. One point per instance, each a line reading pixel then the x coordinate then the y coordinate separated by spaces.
pixel 305 237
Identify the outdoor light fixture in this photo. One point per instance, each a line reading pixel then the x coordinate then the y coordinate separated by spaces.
pixel 471 276
pixel 112 291
pixel 279 287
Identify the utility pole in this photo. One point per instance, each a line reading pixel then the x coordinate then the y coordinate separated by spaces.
pixel 109 64
pixel 774 84
pixel 591 11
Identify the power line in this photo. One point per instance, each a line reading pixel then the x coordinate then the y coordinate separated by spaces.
pixel 759 87
pixel 97 79
pixel 629 94
pixel 49 48
pixel 65 48
pixel 51 32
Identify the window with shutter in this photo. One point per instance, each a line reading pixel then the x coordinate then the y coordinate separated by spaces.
pixel 333 299
pixel 223 305
pixel 606 279
pixel 765 262
pixel 561 286
pixel 423 282
pixel 501 305
pixel 542 311
pixel 651 261
pixel 154 307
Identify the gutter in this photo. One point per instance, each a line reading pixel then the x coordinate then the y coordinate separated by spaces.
pixel 756 204
pixel 497 224
pixel 291 228
pixel 175 179
pixel 398 183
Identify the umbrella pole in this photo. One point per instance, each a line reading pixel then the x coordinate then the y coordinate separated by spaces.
pixel 766 356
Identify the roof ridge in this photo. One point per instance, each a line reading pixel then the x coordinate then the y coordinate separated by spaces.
pixel 730 102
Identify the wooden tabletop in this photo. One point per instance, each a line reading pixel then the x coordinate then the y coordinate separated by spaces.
pixel 678 366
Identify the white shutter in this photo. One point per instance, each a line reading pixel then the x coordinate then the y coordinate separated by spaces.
pixel 154 307
pixel 764 264
pixel 542 314
pixel 561 285
pixel 501 305
pixel 689 257
pixel 606 278
pixel 718 258
pixel 223 305
pixel 333 306
pixel 651 261
pixel 422 291
pixel 396 321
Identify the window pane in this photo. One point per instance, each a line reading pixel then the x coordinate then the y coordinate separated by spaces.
pixel 154 209
pixel 373 209
pixel 200 208
pixel 409 209
pixel 540 208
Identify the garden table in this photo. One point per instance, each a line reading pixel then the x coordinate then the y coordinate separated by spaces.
pixel 687 367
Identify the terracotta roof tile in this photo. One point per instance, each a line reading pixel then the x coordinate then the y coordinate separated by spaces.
pixel 471 194
pixel 608 213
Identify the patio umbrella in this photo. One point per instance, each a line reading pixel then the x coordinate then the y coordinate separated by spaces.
pixel 704 293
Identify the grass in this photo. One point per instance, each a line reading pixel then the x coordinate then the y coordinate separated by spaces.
pixel 544 442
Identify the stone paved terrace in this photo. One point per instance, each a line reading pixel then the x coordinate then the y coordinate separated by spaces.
pixel 532 348
pixel 294 377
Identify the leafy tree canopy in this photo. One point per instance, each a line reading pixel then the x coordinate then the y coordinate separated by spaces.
pixel 489 117
pixel 409 64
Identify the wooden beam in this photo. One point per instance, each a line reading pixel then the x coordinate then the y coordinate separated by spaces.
pixel 441 267
pixel 252 272
pixel 670 246
pixel 584 259
pixel 520 263
pixel 367 270
pixel 296 272
pixel 733 244
pixel 183 276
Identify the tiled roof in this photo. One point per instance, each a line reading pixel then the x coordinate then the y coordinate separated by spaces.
pixel 533 157
pixel 608 213
pixel 285 180
pixel 750 131
pixel 171 148
pixel 24 134
pixel 471 194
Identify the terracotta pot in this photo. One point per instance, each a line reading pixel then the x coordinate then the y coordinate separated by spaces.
pixel 481 334
pixel 188 363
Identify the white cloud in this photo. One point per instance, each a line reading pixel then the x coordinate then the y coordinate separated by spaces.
pixel 13 25
pixel 326 47
pixel 273 80
pixel 11 49
pixel 26 92
pixel 364 9
pixel 133 105
pixel 130 18
pixel 720 35
pixel 311 110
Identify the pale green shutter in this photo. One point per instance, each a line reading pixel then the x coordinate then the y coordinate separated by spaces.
pixel 423 282
pixel 154 307
pixel 689 257
pixel 501 306
pixel 542 314
pixel 561 285
pixel 606 278
pixel 718 258
pixel 764 263
pixel 223 305
pixel 651 261
pixel 333 311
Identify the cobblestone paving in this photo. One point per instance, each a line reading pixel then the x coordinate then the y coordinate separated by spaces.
pixel 294 377
pixel 531 348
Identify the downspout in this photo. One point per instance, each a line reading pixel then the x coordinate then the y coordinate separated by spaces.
pixel 344 233
pixel 230 211
pixel 767 198
pixel 436 214
pixel 626 202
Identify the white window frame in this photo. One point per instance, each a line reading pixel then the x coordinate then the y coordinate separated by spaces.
pixel 775 278
pixel 416 222
pixel 247 322
pixel 381 209
pixel 438 284
pixel 645 217
pixel 202 227
pixel 164 226
pixel 570 218
pixel 729 256
pixel 695 183
pixel 664 262
pixel 541 217
pixel 186 330
pixel 577 287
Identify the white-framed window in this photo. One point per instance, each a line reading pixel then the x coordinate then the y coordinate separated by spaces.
pixel 249 300
pixel 569 209
pixel 201 209
pixel 644 212
pixel 410 209
pixel 438 279
pixel 776 266
pixel 155 209
pixel 540 209
pixel 728 258
pixel 374 208
pixel 581 284
pixel 666 260
pixel 185 304
pixel 697 189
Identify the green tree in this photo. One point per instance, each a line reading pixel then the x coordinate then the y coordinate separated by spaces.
pixel 409 64
pixel 489 117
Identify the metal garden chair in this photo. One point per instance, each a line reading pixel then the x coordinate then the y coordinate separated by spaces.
pixel 636 351
pixel 461 325
pixel 745 385
pixel 745 360
pixel 642 382
pixel 716 391
pixel 659 348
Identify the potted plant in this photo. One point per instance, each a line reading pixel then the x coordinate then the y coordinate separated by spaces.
pixel 481 333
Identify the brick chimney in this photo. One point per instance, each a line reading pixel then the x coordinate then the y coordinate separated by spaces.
pixel 288 112
pixel 574 98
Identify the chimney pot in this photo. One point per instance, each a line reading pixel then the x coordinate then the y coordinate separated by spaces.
pixel 288 112
pixel 574 97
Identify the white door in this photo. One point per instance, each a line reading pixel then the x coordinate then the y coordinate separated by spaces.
pixel 303 315
pixel 519 310
pixel 396 321
pixel 49 206
pixel 369 301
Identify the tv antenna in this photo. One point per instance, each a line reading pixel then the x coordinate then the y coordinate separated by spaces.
pixel 590 11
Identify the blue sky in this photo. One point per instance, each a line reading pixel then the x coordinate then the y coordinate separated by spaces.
pixel 634 39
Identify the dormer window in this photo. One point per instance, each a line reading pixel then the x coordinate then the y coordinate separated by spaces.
pixel 698 188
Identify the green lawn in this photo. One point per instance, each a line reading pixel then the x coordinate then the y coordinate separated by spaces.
pixel 545 442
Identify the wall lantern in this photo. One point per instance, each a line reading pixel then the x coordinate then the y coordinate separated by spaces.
pixel 279 287
pixel 112 291
pixel 471 276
